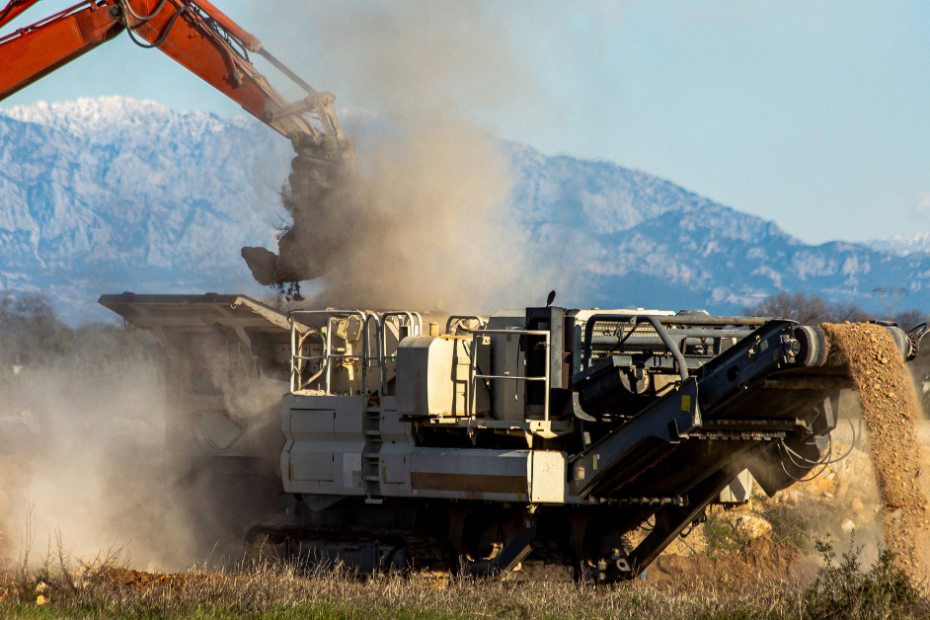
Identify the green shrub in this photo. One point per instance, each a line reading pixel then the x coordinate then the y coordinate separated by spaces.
pixel 789 525
pixel 721 536
pixel 845 591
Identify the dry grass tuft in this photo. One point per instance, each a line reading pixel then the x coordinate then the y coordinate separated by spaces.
pixel 103 588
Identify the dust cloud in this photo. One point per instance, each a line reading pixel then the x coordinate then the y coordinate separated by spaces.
pixel 891 413
pixel 408 60
pixel 426 227
pixel 84 461
pixel 426 222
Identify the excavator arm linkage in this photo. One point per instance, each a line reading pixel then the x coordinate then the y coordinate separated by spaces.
pixel 195 34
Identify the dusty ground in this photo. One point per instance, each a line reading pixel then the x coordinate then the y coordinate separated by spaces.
pixel 9 478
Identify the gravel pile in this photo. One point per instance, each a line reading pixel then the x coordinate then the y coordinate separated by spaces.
pixel 891 412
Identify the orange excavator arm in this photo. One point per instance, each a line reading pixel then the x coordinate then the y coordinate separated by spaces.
pixel 194 33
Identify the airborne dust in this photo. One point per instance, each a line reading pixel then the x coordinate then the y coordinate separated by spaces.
pixel 84 459
pixel 426 226
pixel 426 222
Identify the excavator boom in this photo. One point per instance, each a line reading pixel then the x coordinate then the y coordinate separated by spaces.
pixel 195 34
pixel 33 52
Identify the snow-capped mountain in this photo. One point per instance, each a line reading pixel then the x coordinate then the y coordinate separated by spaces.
pixel 115 194
pixel 637 240
pixel 904 246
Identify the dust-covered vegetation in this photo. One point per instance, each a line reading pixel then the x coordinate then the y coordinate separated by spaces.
pixel 803 527
pixel 80 414
pixel 32 337
pixel 49 369
pixel 30 332
pixel 844 589
pixel 721 536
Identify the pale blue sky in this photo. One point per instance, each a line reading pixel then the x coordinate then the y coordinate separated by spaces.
pixel 812 114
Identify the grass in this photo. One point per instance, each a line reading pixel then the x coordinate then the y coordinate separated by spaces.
pixel 101 589
pixel 721 535
pixel 790 525
pixel 803 525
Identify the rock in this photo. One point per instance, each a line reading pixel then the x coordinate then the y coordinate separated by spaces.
pixel 751 527
pixel 848 526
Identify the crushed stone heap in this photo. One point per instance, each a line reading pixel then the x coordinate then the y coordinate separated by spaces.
pixel 891 413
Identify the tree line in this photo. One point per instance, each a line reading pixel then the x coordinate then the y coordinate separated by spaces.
pixel 32 335
pixel 813 309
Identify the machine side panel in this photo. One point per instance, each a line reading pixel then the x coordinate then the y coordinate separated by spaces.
pixel 547 477
pixel 396 448
pixel 507 397
pixel 325 444
pixel 454 473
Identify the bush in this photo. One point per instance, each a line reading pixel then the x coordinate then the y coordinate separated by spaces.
pixel 32 336
pixel 801 525
pixel 845 591
pixel 721 536
pixel 789 525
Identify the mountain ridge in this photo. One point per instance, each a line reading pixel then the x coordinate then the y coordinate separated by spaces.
pixel 112 194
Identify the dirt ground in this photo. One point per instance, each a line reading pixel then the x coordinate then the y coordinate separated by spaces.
pixel 760 562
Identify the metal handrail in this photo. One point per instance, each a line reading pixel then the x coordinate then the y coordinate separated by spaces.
pixel 327 348
pixel 410 316
pixel 473 366
pixel 416 329
pixel 366 350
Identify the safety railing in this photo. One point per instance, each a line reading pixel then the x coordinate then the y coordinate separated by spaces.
pixel 473 375
pixel 415 329
pixel 298 338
